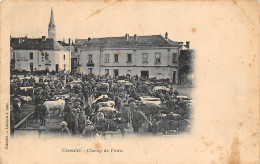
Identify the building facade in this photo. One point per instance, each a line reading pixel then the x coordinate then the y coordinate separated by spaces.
pixel 34 54
pixel 42 54
pixel 14 42
pixel 151 56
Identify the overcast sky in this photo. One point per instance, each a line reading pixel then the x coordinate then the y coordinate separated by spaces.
pixel 103 19
pixel 200 22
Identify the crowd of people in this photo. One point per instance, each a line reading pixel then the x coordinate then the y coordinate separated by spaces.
pixel 80 115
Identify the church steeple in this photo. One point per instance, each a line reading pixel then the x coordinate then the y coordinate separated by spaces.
pixel 51 29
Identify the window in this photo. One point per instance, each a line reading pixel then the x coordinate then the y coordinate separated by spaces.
pixel 129 58
pixel 90 71
pixel 64 66
pixel 157 58
pixel 174 55
pixel 31 55
pixel 64 57
pixel 90 58
pixel 116 58
pixel 106 71
pixel 107 58
pixel 145 58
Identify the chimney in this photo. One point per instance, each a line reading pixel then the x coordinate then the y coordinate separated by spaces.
pixel 135 38
pixel 166 35
pixel 43 38
pixel 89 38
pixel 69 41
pixel 19 40
pixel 127 37
pixel 72 42
pixel 188 44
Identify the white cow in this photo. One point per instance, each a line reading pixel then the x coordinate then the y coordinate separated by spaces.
pixel 53 105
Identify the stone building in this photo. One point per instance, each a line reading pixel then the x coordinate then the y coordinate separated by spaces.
pixel 14 42
pixel 41 54
pixel 147 56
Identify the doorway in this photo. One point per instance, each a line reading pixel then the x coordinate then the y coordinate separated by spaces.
pixel 57 67
pixel 31 67
pixel 116 72
pixel 145 74
pixel 174 77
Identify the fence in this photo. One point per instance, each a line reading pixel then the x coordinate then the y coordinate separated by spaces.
pixel 24 122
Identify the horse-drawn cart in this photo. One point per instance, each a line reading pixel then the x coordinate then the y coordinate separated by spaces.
pixel 108 119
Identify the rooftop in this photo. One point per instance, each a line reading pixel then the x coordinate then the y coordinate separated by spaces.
pixel 40 44
pixel 141 41
pixel 14 42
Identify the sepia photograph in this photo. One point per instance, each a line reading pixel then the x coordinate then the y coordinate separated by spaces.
pixel 129 82
pixel 90 87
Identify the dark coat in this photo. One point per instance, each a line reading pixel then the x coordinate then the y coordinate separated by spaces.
pixel 137 119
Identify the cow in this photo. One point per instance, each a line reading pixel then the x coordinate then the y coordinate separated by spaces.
pixel 53 105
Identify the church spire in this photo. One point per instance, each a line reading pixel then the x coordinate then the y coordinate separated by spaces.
pixel 51 24
pixel 51 29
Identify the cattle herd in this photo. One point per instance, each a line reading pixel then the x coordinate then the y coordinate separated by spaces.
pixel 89 105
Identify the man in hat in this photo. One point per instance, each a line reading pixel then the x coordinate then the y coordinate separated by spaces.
pixel 89 131
pixel 71 119
pixel 136 120
pixel 126 115
pixel 132 107
pixel 65 130
pixel 43 112
pixel 81 121
pixel 68 107
pixel 17 108
pixel 170 104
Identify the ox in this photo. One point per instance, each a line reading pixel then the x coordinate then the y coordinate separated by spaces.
pixel 53 105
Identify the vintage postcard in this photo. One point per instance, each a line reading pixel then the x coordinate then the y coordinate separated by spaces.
pixel 129 82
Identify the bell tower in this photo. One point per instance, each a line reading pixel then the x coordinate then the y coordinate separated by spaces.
pixel 51 28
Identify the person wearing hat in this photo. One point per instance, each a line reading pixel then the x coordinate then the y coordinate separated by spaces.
pixel 89 130
pixel 71 119
pixel 170 104
pixel 81 121
pixel 136 120
pixel 43 112
pixel 126 115
pixel 68 107
pixel 17 108
pixel 65 130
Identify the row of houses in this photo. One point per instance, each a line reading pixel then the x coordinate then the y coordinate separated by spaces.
pixel 147 56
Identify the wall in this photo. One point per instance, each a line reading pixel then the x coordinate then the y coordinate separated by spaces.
pixel 165 67
pixel 84 58
pixel 22 59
